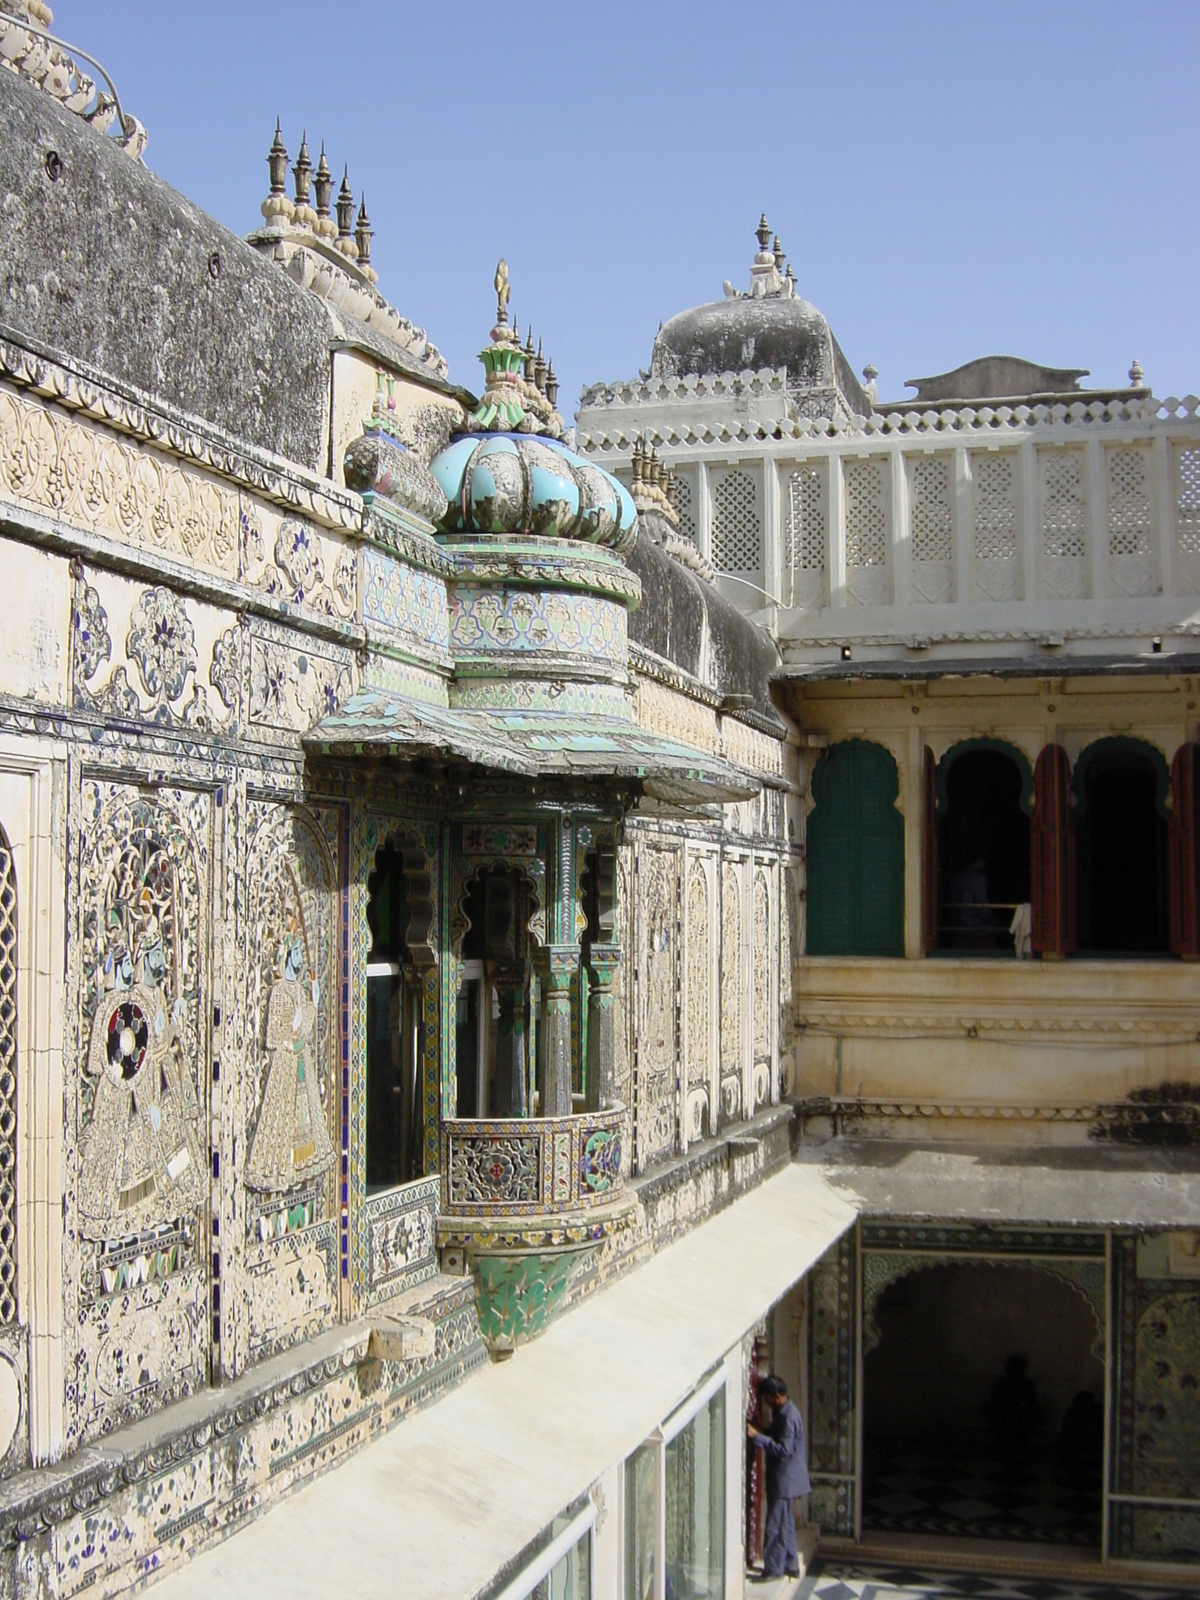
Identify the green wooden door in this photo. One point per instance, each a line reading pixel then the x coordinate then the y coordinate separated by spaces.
pixel 855 854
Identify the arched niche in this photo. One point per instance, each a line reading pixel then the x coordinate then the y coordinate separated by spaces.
pixel 881 1269
pixel 1001 747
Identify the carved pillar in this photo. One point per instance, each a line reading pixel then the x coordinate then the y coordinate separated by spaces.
pixel 601 1040
pixel 554 1083
pixel 510 1043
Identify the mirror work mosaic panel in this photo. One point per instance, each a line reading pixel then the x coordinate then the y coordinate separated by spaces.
pixel 1154 1466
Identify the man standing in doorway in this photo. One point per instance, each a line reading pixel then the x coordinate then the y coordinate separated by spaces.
pixel 787 1477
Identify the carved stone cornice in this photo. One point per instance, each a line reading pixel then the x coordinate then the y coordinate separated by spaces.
pixel 1153 1002
pixel 76 386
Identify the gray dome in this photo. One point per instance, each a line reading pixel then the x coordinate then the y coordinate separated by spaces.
pixel 770 327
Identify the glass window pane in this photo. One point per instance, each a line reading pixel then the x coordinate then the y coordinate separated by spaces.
pixel 695 1509
pixel 639 1524
pixel 571 1578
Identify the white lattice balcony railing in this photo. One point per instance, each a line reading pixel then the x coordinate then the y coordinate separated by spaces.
pixel 972 525
pixel 529 1166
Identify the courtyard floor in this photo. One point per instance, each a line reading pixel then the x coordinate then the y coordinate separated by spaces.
pixel 834 1578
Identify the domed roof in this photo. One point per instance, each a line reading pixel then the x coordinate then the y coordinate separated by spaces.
pixel 516 483
pixel 769 327
pixel 510 474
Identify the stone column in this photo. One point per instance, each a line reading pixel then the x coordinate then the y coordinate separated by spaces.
pixel 510 1043
pixel 554 1085
pixel 601 1022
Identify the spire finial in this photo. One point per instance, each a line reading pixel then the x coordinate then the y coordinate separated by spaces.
pixel 302 171
pixel 277 161
pixel 345 205
pixel 763 233
pixel 363 232
pixel 323 184
pixel 779 255
pixel 1136 374
pixel 500 284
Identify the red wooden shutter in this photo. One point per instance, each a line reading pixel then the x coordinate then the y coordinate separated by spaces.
pixel 1052 855
pixel 929 858
pixel 1181 857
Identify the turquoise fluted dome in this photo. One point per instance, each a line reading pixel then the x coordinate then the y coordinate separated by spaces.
pixel 509 484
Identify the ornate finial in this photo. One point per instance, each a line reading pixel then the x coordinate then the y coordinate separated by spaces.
pixel 363 232
pixel 323 185
pixel 870 372
pixel 551 384
pixel 500 284
pixel 779 255
pixel 529 356
pixel 539 370
pixel 277 162
pixel 345 206
pixel 763 233
pixel 1136 374
pixel 302 172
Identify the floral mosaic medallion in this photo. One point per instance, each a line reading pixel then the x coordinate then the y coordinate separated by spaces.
pixel 600 1161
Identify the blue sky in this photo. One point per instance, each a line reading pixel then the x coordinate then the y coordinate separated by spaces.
pixel 948 180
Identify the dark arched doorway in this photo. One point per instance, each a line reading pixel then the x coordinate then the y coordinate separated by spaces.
pixel 983 1407
pixel 983 846
pixel 1121 844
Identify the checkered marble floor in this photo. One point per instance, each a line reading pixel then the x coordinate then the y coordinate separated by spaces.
pixel 967 1491
pixel 834 1579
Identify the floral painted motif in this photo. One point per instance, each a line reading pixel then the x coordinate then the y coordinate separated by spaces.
pixel 161 641
pixel 92 643
pixel 225 673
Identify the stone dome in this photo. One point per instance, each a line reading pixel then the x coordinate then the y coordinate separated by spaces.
pixel 506 484
pixel 768 327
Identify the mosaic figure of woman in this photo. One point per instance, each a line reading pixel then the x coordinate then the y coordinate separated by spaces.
pixel 291 1142
pixel 140 1156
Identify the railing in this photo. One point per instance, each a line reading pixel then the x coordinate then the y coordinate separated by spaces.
pixel 940 511
pixel 527 1165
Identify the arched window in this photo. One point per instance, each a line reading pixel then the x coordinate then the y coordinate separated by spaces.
pixel 1121 848
pixel 395 1032
pixel 855 854
pixel 983 800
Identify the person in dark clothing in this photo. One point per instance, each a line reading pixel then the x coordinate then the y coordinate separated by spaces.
pixel 1012 1410
pixel 787 1477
